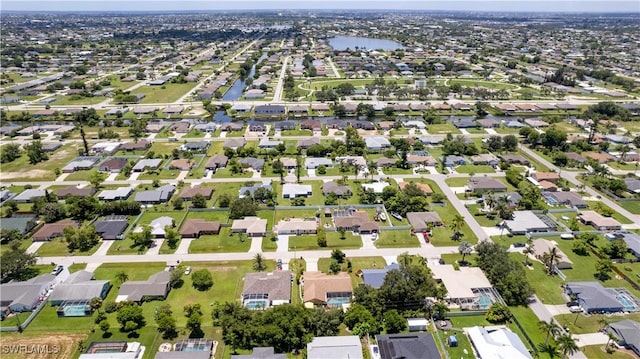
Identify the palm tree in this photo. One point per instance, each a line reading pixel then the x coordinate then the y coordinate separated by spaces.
pixel 258 263
pixel 121 277
pixel 552 350
pixel 551 328
pixel 624 149
pixel 567 345
pixel 464 248
pixel 603 323
pixel 612 339
pixel 528 250
pixel 550 259
pixel 455 226
pixel 405 259
pixel 441 308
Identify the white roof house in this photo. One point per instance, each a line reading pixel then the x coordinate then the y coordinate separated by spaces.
pixel 524 222
pixel 376 142
pixel 343 347
pixel 252 226
pixel 459 283
pixel 150 163
pixel 542 246
pixel 293 190
pixel 157 226
pixel 315 162
pixel 105 147
pixel 497 343
pixel 115 194
pixel 377 187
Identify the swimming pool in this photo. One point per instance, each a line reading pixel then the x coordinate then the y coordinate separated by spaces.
pixel 627 303
pixel 337 301
pixel 256 304
pixel 484 301
pixel 80 310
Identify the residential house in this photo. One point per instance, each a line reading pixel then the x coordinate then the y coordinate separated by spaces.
pixel 355 221
pixel 465 286
pixel 384 162
pixel 105 148
pixel 571 199
pixel 158 226
pixel 420 158
pixel 376 143
pixel 250 189
pixel 315 162
pixel 113 165
pixel 264 290
pixel 601 157
pixel 75 191
pixel 594 298
pixel 251 162
pixel 188 193
pixel 341 347
pixel 618 139
pixel 268 143
pixel 423 221
pixel 326 290
pixel 485 159
pixel 157 287
pixel 497 343
pixel 216 161
pixel 269 109
pixel 147 164
pixel 535 123
pixel 232 126
pixel 338 190
pixel 543 246
pixel 488 123
pixel 135 146
pixel 631 239
pixel 258 127
pixel 23 223
pixel 431 140
pixel 308 142
pixel 515 159
pixel 628 333
pixel 296 226
pixel 252 226
pixel 110 229
pixel 179 127
pixel 375 277
pixel 79 286
pixel 50 231
pixel 313 125
pixel 463 122
pixel 83 163
pixel 194 228
pixel 293 190
pixel 261 353
pixel 288 163
pixel 482 184
pixel 407 346
pixel 575 158
pixel 599 222
pixel 197 348
pixel 285 125
pixel 524 222
pixel 181 165
pixel 155 196
pixel 546 176
pixel 451 161
pixel 513 124
pixel 199 146
pixel 633 185
pixel 209 127
pixel 25 296
pixel 118 194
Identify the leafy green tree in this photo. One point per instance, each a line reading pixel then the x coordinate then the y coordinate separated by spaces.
pixel 172 237
pixel 166 322
pixel 603 267
pixel 35 152
pixel 242 207
pixel 15 262
pixel 465 249
pixel 338 256
pixel 95 303
pixel 202 280
pixel 321 237
pixel 9 152
pixel 81 239
pixel 498 313
pixel 144 239
pixel 199 201
pixel 104 326
pixel 550 328
pixel 121 277
pixel 178 203
pixel 130 317
pixel 334 267
pixel 394 322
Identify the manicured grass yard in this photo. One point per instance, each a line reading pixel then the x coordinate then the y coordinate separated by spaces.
pixel 456 181
pixel 357 263
pixel 269 245
pixel 58 247
pixel 475 169
pixel 546 287
pixel 223 242
pixel 441 235
pixel 158 94
pixel 442 128
pixel 163 148
pixel 631 206
pixel 310 242
pixel 589 323
pixel 396 239
pixel 599 352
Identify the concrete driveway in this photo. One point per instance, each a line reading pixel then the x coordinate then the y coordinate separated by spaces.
pixel 557 309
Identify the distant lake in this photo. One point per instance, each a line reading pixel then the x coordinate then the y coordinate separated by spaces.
pixel 351 42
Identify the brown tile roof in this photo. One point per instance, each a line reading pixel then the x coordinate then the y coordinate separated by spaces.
pixel 189 192
pixel 52 230
pixel 132 146
pixel 601 157
pixel 358 220
pixel 194 228
pixel 317 285
pixel 182 165
pixel 546 176
pixel 75 191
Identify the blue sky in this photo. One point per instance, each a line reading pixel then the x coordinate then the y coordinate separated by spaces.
pixel 470 5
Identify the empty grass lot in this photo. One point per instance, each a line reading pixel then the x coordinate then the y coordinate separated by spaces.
pixel 163 94
pixel 396 239
pixel 21 170
pixel 223 242
pixel 310 242
pixel 475 169
pixel 58 247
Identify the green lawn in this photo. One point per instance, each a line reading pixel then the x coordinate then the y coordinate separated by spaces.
pixel 310 242
pixel 441 235
pixel 297 132
pixel 456 181
pixel 21 170
pixel 194 134
pixel 81 175
pixel 396 239
pixel 357 263
pixel 546 287
pixel 163 148
pixel 160 175
pixel 475 169
pixel 599 352
pixel 226 173
pixel 442 128
pixel 580 323
pixel 78 100
pixel 58 248
pixel 268 244
pixel 163 94
pixel 617 216
pixel 223 242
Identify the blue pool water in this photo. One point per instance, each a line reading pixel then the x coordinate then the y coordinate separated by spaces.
pixel 626 303
pixel 338 301
pixel 484 302
pixel 75 310
pixel 256 304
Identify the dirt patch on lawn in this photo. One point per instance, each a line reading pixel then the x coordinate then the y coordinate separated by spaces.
pixel 35 174
pixel 52 346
